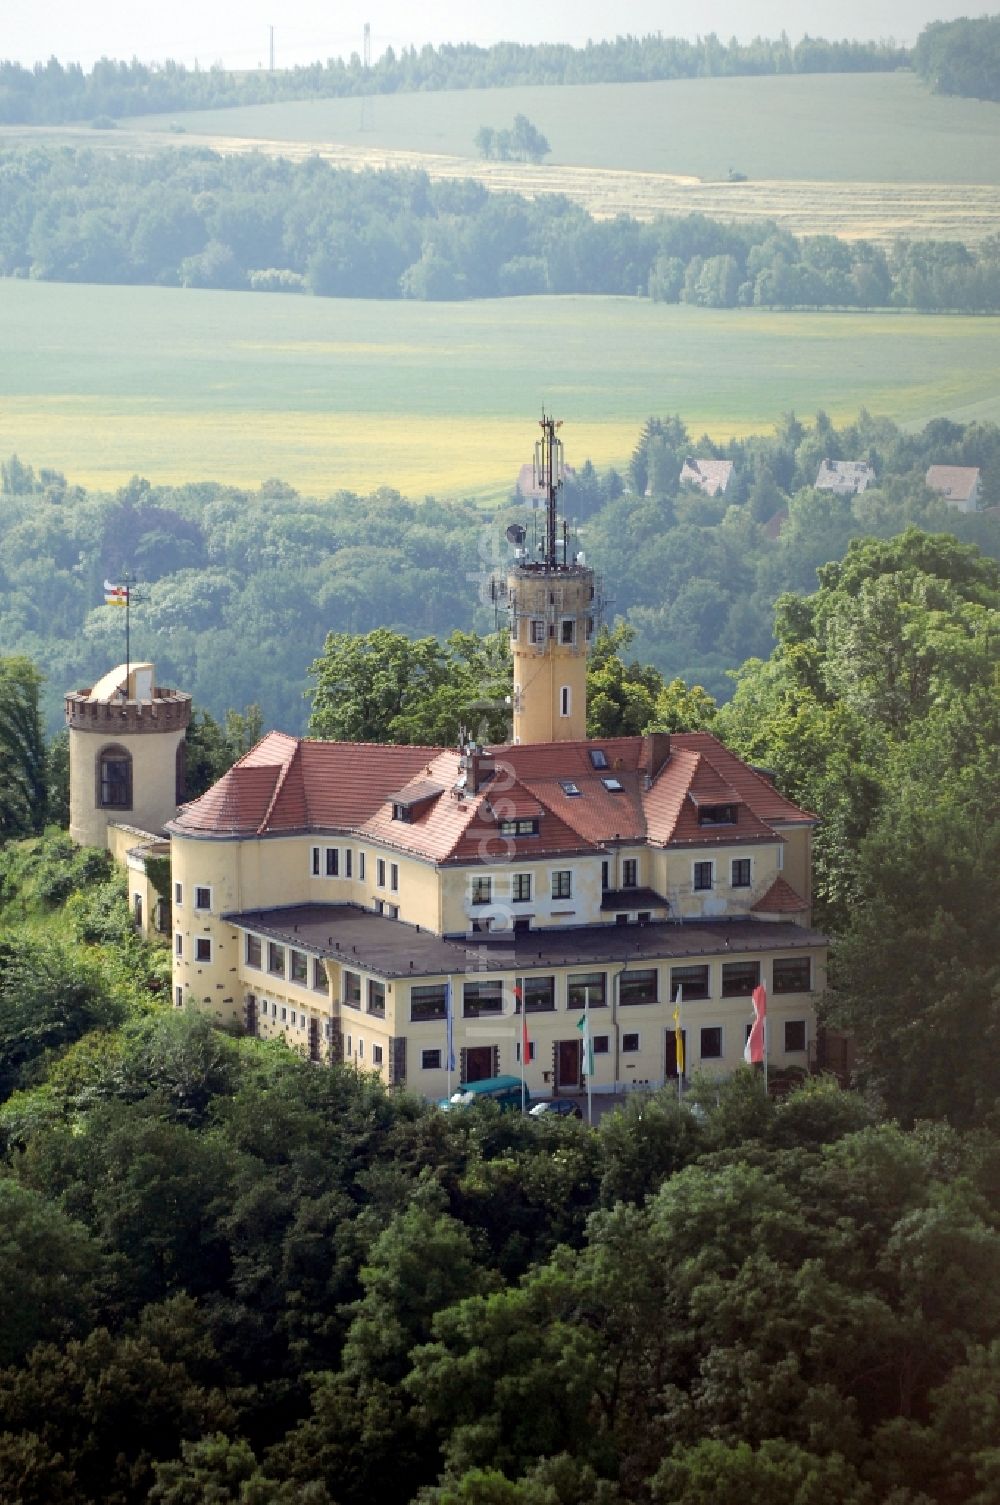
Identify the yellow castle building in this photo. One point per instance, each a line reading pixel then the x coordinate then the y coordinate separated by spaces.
pixel 398 907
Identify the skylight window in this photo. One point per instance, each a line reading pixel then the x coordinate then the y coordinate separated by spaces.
pixel 598 757
pixel 568 787
pixel 613 785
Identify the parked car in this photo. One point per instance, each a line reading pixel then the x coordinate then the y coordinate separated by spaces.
pixel 506 1091
pixel 556 1107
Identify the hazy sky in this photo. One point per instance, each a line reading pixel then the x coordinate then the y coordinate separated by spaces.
pixel 237 35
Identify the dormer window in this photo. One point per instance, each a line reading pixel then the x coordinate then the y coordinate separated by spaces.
pixel 519 827
pixel 613 785
pixel 598 757
pixel 717 815
pixel 401 812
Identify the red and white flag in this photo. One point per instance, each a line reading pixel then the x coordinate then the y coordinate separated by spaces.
pixel 754 1048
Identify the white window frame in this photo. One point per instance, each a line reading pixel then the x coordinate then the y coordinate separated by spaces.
pixel 732 862
pixel 805 1035
pixel 315 867
pixel 560 872
pixel 378 1054
pixel 178 944
pixel 200 942
pixel 394 877
pixel 199 889
pixel 178 894
pixel 564 641
pixel 701 863
pixel 380 872
pixel 361 867
pixel 536 635
pixel 627 1051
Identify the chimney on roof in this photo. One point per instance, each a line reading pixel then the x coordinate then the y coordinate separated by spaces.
pixel 655 752
pixel 479 768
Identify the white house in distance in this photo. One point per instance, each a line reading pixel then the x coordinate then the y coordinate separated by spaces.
pixel 845 477
pixel 958 484
pixel 710 476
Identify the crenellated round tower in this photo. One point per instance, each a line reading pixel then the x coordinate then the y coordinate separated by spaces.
pixel 126 753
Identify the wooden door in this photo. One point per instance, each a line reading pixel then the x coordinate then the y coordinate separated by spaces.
pixel 569 1063
pixel 479 1062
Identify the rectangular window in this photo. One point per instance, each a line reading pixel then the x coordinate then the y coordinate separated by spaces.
pixel 315 862
pixel 292 1019
pixel 528 827
pixel 590 628
pixel 630 1044
pixel 537 993
pixel 321 981
pixel 361 1049
pixel 564 700
pixel 482 890
pixel 352 989
pixel 178 945
pixel 741 872
pixel 428 1001
pixel 630 872
pixel 203 898
pixel 298 969
pixel 401 812
pixel 178 997
pixel 568 787
pixel 537 630
pixel 605 876
pixel 284 1014
pixel 392 911
pixel 598 757
pixel 480 998
pixel 430 1060
pixel 276 959
pixel 380 872
pixel 562 884
pixel 361 867
pixel 601 1045
pixel 531 1051
pixel 333 862
pixel 394 877
pixel 644 916
pixel 520 888
pixel 613 785
pixel 703 875
pixel 253 950
pixel 792 974
pixel 347 1047
pixel 621 919
pixel 795 1035
pixel 202 949
pixel 717 815
pixel 116 782
pixel 376 998
pixel 376 1055
pixel 711 1043
pixel 583 985
pixel 739 979
pixel 693 980
pixel 637 986
pixel 567 630
pixel 178 893
pixel 348 861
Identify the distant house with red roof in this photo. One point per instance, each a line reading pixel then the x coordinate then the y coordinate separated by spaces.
pixel 958 484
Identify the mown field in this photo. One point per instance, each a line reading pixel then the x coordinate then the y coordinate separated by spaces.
pixel 878 127
pixel 104 382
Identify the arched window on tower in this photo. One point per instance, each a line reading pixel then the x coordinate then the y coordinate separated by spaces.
pixel 114 778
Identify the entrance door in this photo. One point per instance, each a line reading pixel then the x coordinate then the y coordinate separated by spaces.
pixel 479 1063
pixel 671 1063
pixel 569 1063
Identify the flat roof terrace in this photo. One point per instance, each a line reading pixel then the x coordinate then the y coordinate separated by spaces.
pixel 392 948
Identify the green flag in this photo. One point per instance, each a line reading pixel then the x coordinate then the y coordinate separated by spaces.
pixel 588 1048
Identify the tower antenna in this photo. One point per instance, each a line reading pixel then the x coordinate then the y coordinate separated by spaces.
pixel 271 47
pixel 367 61
pixel 548 478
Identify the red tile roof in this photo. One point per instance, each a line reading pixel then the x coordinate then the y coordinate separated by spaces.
pixel 780 898
pixel 286 785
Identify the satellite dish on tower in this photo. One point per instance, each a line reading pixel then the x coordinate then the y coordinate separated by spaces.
pixel 516 534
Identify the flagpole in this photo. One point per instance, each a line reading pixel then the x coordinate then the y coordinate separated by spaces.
pixel 524 1044
pixel 449 1034
pixel 680 1028
pixel 589 1060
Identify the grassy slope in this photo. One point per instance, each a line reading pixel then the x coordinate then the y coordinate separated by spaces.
pixel 433 398
pixel 829 128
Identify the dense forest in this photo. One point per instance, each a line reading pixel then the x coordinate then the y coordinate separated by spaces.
pixel 50 92
pixel 194 218
pixel 239 589
pixel 961 57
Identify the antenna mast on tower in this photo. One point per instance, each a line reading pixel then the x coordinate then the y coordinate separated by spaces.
pixel 271 47
pixel 549 470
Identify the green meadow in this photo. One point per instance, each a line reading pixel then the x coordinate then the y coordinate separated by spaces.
pixel 105 382
pixel 834 128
